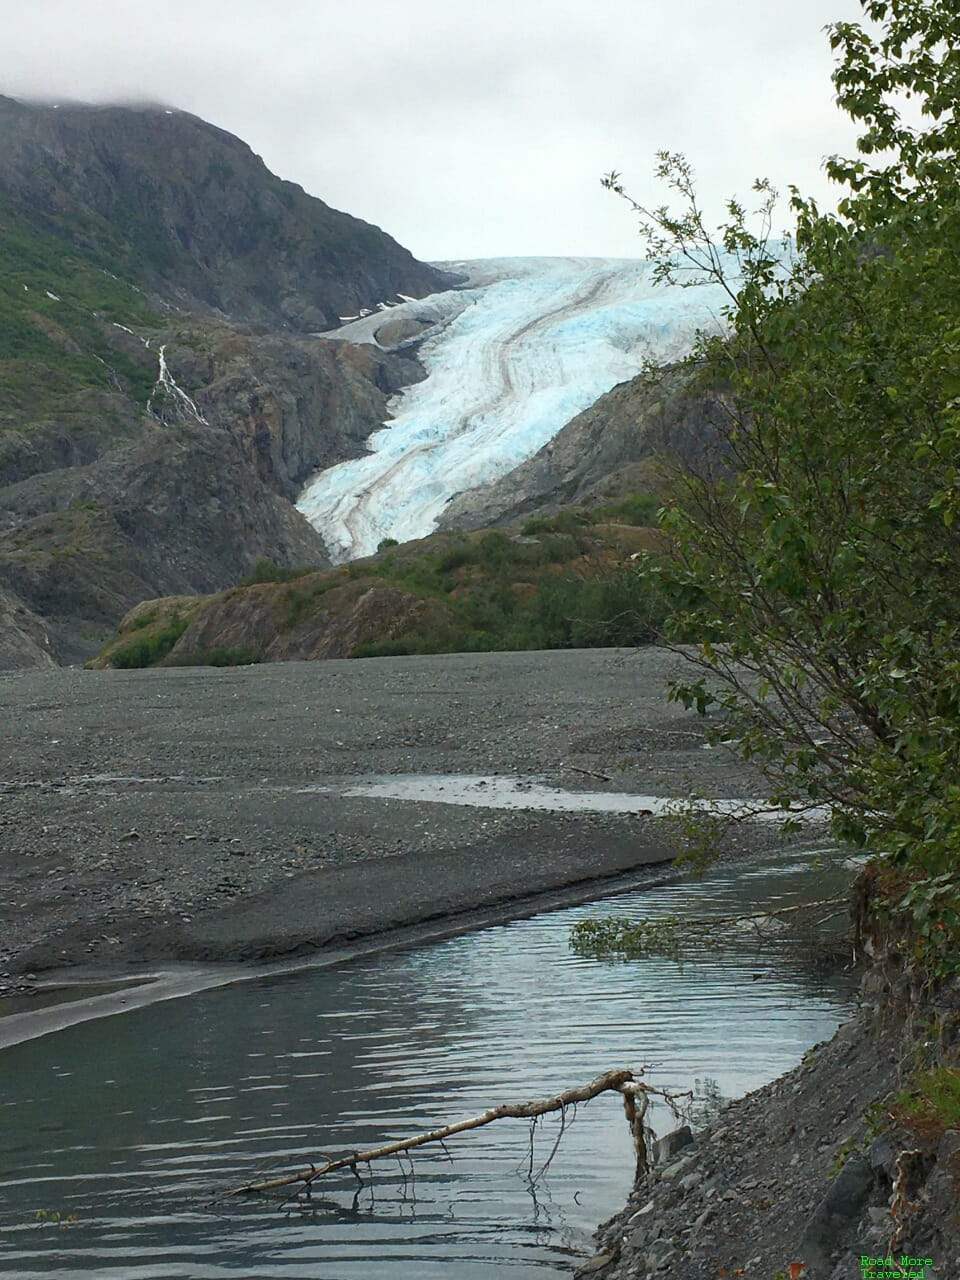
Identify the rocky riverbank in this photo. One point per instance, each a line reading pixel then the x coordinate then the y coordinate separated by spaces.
pixel 806 1177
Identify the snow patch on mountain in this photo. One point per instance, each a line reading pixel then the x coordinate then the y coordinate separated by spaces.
pixel 510 359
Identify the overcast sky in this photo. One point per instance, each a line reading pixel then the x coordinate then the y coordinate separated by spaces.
pixel 467 128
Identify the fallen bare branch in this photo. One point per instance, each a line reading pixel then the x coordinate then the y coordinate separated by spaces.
pixel 590 773
pixel 619 1080
pixel 710 921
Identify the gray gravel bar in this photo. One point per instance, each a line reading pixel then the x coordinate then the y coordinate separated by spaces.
pixel 199 813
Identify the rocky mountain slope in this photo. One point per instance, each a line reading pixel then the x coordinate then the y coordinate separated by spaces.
pixel 161 398
pixel 24 641
pixel 606 452
pixel 190 211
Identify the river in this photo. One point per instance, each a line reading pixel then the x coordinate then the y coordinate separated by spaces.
pixel 118 1135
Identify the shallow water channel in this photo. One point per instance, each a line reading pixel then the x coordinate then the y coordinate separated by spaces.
pixel 114 1133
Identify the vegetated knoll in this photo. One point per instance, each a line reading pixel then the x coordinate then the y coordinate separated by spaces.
pixel 606 452
pixel 190 212
pixel 566 582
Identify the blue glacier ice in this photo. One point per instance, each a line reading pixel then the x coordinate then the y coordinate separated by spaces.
pixel 510 358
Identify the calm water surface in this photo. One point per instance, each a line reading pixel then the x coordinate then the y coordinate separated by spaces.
pixel 130 1124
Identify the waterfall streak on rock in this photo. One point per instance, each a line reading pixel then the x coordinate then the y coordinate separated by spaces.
pixel 166 386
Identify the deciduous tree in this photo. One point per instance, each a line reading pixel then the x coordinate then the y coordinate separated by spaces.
pixel 823 564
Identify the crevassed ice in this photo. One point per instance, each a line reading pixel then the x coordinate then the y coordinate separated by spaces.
pixel 528 345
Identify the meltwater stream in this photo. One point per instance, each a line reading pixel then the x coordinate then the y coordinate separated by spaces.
pixel 115 1133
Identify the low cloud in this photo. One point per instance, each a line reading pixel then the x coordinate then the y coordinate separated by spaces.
pixel 467 131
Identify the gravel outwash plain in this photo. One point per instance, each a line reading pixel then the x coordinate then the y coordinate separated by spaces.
pixel 168 814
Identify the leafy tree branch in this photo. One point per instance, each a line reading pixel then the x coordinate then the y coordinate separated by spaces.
pixel 819 563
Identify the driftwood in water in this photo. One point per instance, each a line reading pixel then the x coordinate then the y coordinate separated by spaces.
pixel 620 1080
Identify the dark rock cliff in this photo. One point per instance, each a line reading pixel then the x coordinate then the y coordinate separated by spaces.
pixel 194 214
pixel 163 397
pixel 95 518
pixel 23 638
pixel 297 403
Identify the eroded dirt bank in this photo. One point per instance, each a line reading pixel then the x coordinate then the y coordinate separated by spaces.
pixel 201 814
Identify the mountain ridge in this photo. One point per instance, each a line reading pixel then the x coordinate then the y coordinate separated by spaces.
pixel 199 214
pixel 162 398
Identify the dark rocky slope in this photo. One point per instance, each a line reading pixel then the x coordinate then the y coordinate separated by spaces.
pixel 177 508
pixel 95 519
pixel 607 451
pixel 151 444
pixel 24 641
pixel 191 212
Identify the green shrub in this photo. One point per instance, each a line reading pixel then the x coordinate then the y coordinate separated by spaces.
pixel 569 520
pixel 618 608
pixel 228 656
pixel 145 619
pixel 146 651
pixel 638 509
pixel 559 548
pixel 360 569
pixel 297 603
pixel 456 558
pixel 931 1102
pixel 493 549
pixel 383 649
pixel 269 571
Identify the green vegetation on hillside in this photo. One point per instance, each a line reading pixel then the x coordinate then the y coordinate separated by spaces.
pixel 147 649
pixel 515 593
pixel 53 346
pixel 572 583
pixel 930 1104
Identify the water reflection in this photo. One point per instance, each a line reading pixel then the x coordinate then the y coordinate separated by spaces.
pixel 129 1124
pixel 500 791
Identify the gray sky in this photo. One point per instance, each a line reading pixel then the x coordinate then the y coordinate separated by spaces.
pixel 467 128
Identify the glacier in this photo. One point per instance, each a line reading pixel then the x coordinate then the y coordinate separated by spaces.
pixel 510 357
